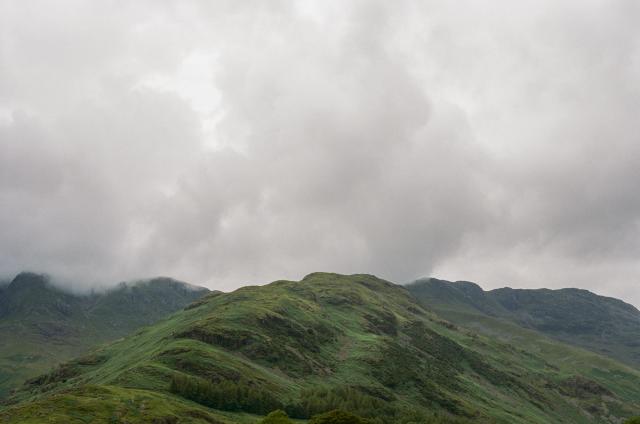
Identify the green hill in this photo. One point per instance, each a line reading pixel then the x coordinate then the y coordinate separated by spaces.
pixel 329 341
pixel 41 325
pixel 601 324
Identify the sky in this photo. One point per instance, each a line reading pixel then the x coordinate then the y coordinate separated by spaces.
pixel 228 143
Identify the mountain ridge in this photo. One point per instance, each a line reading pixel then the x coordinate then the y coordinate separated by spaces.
pixel 354 342
pixel 602 324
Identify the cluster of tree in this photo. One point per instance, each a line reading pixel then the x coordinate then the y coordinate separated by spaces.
pixel 331 417
pixel 225 395
pixel 316 401
pixel 346 405
pixel 240 396
pixel 344 417
pixel 338 417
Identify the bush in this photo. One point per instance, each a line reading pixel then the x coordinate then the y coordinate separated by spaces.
pixel 634 420
pixel 276 417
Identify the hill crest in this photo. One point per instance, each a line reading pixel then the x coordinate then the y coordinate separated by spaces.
pixel 601 324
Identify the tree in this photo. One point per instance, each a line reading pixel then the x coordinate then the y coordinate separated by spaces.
pixel 276 417
pixel 337 417
pixel 634 420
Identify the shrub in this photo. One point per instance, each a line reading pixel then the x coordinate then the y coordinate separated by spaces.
pixel 276 417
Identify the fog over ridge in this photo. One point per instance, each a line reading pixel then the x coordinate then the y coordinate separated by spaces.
pixel 224 143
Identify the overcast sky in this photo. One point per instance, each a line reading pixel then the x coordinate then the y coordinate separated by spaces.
pixel 226 143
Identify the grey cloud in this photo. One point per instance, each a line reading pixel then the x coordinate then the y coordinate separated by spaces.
pixel 492 142
pixel 568 165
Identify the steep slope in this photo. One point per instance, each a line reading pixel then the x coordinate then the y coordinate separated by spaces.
pixel 601 324
pixel 41 325
pixel 354 342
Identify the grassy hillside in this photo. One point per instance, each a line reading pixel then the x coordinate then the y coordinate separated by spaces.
pixel 601 324
pixel 41 325
pixel 329 341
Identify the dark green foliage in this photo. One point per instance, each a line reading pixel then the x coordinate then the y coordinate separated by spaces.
pixel 61 374
pixel 66 371
pixel 337 417
pixel 189 362
pixel 227 338
pixel 412 369
pixel 384 322
pixel 284 327
pixel 276 417
pixel 224 395
pixel 316 401
pixel 273 353
pixel 430 363
pixel 580 387
pixel 634 420
pixel 345 417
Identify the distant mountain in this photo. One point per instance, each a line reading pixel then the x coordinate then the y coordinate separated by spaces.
pixel 42 325
pixel 356 343
pixel 601 324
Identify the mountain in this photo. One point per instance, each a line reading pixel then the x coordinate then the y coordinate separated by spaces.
pixel 601 324
pixel 41 325
pixel 329 341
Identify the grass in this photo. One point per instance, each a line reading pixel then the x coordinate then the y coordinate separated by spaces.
pixel 346 334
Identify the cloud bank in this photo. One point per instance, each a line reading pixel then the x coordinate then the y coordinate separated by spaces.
pixel 224 144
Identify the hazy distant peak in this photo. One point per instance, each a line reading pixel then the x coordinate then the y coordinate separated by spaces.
pixel 30 280
pixel 163 282
pixel 33 280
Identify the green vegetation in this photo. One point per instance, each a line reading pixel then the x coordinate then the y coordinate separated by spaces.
pixel 41 325
pixel 600 324
pixel 337 417
pixel 276 417
pixel 316 401
pixel 224 395
pixel 108 404
pixel 356 344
